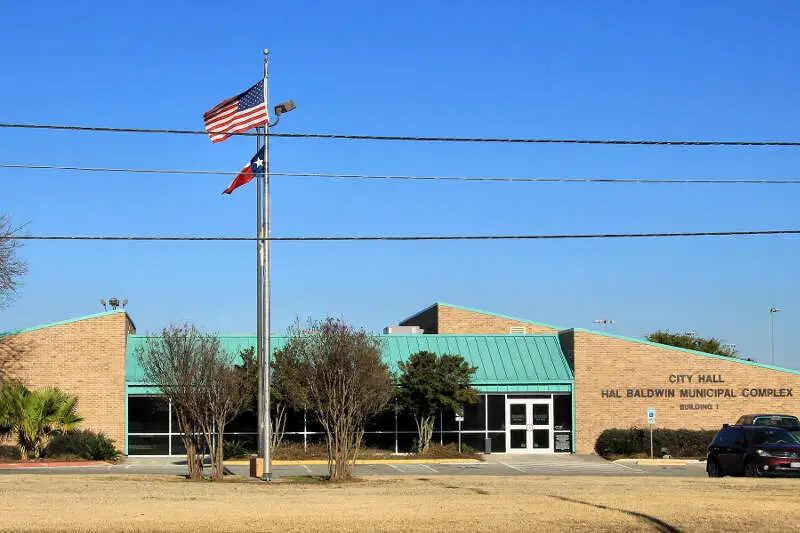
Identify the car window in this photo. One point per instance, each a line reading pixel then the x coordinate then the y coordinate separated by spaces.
pixel 771 436
pixel 744 421
pixel 786 422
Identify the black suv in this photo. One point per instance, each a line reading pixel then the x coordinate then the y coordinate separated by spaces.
pixel 753 451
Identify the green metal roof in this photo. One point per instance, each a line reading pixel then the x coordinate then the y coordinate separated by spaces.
pixel 68 321
pixel 505 361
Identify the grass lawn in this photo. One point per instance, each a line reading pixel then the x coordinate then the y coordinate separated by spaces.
pixel 469 503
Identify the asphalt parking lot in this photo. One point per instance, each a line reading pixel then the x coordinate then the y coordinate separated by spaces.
pixel 495 465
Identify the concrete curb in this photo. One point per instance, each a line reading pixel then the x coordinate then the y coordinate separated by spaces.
pixel 53 464
pixel 658 462
pixel 364 462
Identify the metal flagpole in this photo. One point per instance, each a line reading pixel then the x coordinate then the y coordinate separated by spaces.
pixel 266 432
pixel 259 303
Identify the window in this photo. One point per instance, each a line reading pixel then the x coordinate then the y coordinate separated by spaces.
pixel 771 436
pixel 786 422
pixel 562 412
pixel 497 412
pixel 148 414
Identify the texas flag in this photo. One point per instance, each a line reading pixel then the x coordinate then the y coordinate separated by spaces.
pixel 255 167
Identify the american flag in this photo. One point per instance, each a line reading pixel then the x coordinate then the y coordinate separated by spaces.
pixel 237 114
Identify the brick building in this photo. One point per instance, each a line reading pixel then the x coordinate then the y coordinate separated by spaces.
pixel 543 388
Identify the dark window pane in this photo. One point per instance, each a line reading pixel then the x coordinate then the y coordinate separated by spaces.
pixel 541 438
pixel 497 412
pixel 562 412
pixel 518 439
pixel 381 441
pixel 541 414
pixel 448 421
pixel 178 448
pixel 406 442
pixel 294 420
pixel 382 422
pixel 313 424
pixel 405 422
pixel 498 442
pixel 148 414
pixel 519 414
pixel 474 441
pixel 475 415
pixel 244 423
pixel 158 445
pixel 250 442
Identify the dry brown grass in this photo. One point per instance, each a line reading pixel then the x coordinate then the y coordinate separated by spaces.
pixel 467 503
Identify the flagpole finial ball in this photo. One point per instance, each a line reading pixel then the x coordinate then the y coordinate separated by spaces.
pixel 266 51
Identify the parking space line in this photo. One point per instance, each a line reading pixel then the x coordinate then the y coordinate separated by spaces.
pixel 308 469
pixel 431 469
pixel 513 467
pixel 629 468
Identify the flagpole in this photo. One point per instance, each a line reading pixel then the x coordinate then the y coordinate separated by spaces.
pixel 259 304
pixel 266 429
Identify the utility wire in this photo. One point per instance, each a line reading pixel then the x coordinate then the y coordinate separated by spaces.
pixel 406 138
pixel 413 238
pixel 415 178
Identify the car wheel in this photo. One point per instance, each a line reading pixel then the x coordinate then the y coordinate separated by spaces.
pixel 713 469
pixel 751 470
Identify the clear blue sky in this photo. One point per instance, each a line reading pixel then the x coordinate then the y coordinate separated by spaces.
pixel 638 70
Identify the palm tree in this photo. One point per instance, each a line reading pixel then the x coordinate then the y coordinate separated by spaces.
pixel 33 417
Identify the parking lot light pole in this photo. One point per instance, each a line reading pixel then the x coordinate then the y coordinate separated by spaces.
pixel 772 311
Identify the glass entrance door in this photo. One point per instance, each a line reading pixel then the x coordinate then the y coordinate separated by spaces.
pixel 529 425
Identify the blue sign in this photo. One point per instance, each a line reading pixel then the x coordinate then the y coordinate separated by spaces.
pixel 651 415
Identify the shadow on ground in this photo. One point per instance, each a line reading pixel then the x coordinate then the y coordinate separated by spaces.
pixel 659 525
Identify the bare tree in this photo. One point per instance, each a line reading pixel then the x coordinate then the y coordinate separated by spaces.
pixel 249 364
pixel 204 386
pixel 336 372
pixel 11 267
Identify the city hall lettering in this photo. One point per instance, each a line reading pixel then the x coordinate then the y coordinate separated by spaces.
pixel 698 386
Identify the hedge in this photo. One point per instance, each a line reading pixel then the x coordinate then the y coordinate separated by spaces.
pixel 636 441
pixel 86 444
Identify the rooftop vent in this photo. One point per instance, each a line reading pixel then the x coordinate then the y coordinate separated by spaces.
pixel 403 330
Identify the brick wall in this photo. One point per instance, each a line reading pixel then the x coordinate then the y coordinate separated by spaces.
pixel 85 358
pixel 455 320
pixel 607 367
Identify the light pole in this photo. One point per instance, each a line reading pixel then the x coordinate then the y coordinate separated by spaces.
pixel 605 321
pixel 263 284
pixel 772 311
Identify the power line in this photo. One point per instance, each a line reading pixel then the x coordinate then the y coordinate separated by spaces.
pixel 412 238
pixel 409 177
pixel 407 138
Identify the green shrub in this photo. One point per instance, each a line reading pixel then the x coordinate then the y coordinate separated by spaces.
pixel 636 441
pixel 86 444
pixel 234 449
